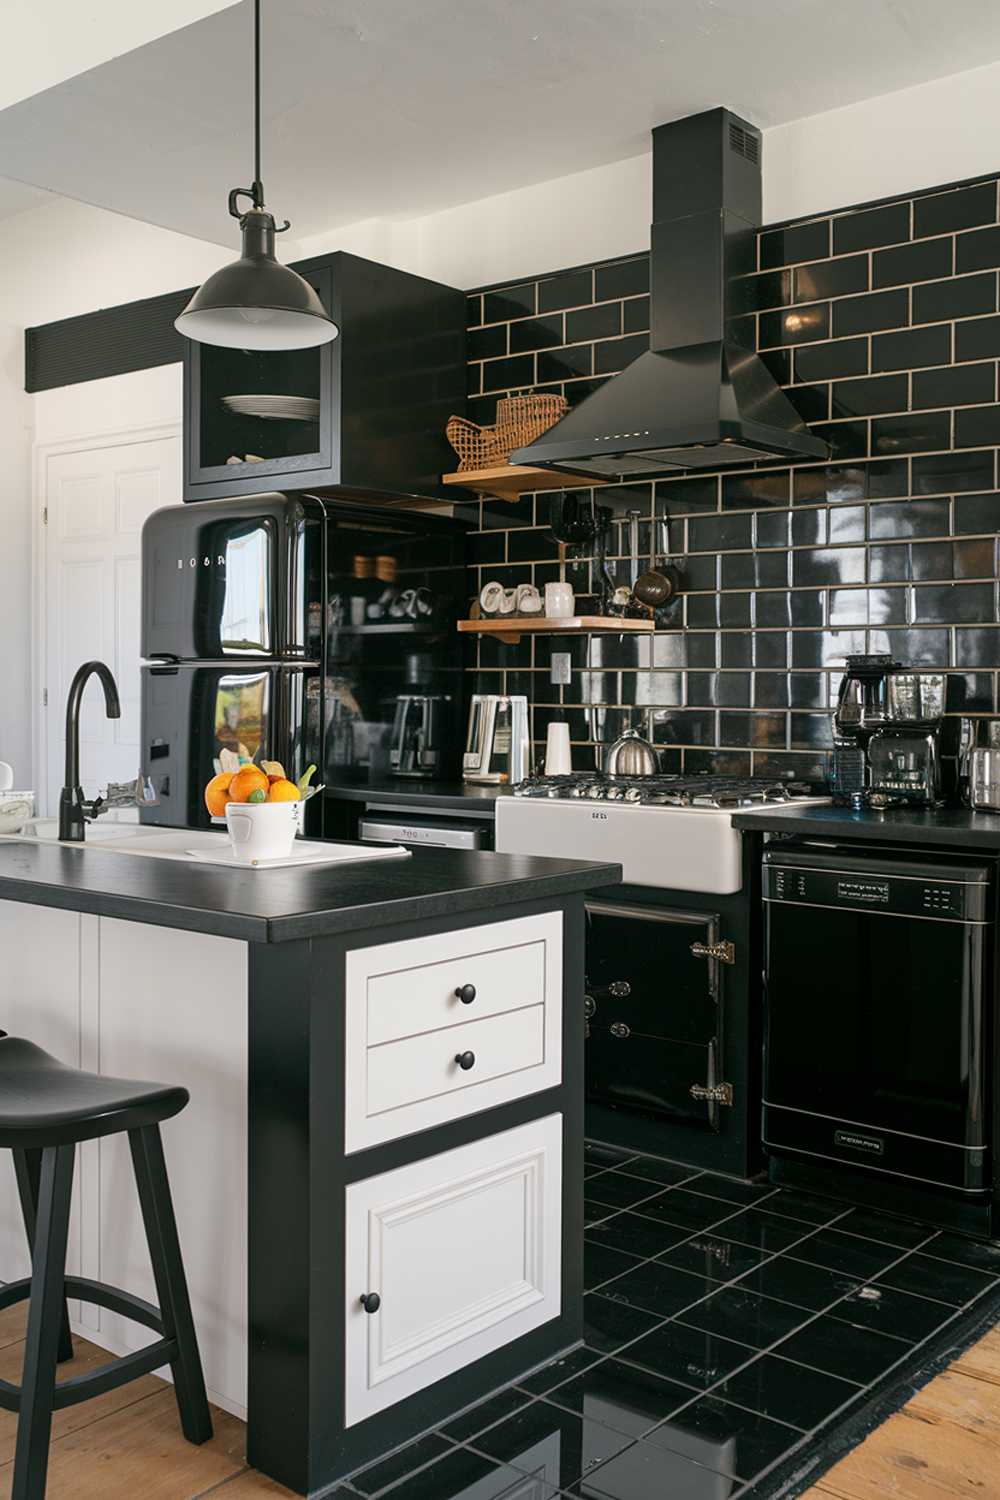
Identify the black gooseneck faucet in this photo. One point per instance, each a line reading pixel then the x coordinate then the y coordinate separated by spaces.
pixel 73 809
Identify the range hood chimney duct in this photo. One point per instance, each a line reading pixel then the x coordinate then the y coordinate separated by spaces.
pixel 700 398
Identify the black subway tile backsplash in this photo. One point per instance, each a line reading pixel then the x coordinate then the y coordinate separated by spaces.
pixel 884 326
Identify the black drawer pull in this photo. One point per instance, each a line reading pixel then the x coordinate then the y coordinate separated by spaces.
pixel 465 1060
pixel 371 1302
pixel 466 993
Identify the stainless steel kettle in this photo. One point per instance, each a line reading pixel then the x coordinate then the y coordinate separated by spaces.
pixel 631 755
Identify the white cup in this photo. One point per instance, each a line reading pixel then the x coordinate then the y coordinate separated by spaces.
pixel 558 757
pixel 559 601
pixel 262 830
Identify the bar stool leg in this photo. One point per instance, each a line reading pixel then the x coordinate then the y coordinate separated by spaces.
pixel 171 1283
pixel 28 1170
pixel 48 1270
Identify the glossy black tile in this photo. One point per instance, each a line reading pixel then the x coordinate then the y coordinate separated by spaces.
pixel 731 1189
pixel 509 302
pixel 871 228
pixel 462 1474
pixel 750 1319
pixel 977 338
pixel 493 1409
pixel 871 313
pixel 839 483
pixel 944 473
pixel 964 1252
pixel 788 1280
pixel 714 1259
pixel 961 603
pixel 558 1370
pixel 612 355
pixel 644 1471
pixel 509 374
pixel 690 1355
pixel 684 497
pixel 921 647
pixel 473 310
pixel 719 533
pixel 977 648
pixel 798 325
pixel 969 692
pixel 784 247
pixel 779 362
pixel 745 491
pixel 885 1309
pixel 685 1209
pixel 848 1254
pixel 764 731
pixel 977 513
pixel 765 570
pixel 390 1470
pixel 618 1189
pixel 718 689
pixel 977 249
pixel 812 402
pixel 903 1233
pixel 487 343
pixel 925 1276
pixel 912 347
pixel 922 432
pixel 841 1349
pixel 635 315
pixel 629 278
pixel 602 1264
pixel 958 208
pixel 958 385
pixel 624 1397
pixel 825 648
pixel 568 1444
pixel 776 1388
pixel 565 364
pixel 830 278
pixel 819 565
pixel 603 321
pixel 763 1231
pixel 808 1208
pixel 845 439
pixel 917 262
pixel 908 518
pixel 654 1169
pixel 725 1437
pixel 572 289
pixel 609 1325
pixel 869 397
pixel 536 333
pixel 958 297
pixel 841 357
pixel 636 1235
pixel 763 290
pixel 976 426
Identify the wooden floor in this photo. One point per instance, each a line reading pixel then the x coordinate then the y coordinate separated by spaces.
pixel 943 1444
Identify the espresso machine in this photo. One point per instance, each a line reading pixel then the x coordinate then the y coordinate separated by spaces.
pixel 419 729
pixel 862 709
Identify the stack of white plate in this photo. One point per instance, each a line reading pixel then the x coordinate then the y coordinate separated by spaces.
pixel 275 408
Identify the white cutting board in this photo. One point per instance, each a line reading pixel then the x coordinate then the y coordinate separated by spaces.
pixel 306 852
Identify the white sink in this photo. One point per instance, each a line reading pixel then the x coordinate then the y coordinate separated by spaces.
pixel 122 838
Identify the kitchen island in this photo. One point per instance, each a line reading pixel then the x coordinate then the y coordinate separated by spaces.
pixel 378 1180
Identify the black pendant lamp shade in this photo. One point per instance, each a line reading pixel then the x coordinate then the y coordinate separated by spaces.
pixel 256 303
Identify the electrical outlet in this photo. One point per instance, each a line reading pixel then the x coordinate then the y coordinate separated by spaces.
pixel 560 671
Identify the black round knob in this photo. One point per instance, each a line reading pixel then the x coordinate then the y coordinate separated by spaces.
pixel 371 1302
pixel 466 993
pixel 465 1060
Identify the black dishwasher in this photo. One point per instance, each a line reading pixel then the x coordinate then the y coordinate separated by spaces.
pixel 878 967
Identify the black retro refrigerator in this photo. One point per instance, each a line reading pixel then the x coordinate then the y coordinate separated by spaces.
pixel 289 628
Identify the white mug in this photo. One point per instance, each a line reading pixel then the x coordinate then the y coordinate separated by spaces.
pixel 558 601
pixel 558 756
pixel 262 830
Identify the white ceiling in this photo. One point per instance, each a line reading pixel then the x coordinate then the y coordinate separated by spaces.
pixel 388 108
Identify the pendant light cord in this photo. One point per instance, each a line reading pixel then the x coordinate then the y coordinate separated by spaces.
pixel 258 190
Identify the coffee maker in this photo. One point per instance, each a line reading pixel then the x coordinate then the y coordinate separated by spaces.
pixel 497 746
pixel 418 734
pixel 862 709
pixel 918 758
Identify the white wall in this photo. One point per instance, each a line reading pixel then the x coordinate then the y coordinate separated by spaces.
pixel 66 258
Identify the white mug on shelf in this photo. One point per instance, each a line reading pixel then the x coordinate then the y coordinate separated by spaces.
pixel 559 601
pixel 262 830
pixel 558 757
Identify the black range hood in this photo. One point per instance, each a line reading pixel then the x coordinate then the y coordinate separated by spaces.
pixel 700 398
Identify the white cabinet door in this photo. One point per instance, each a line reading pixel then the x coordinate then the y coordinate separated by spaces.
pixel 463 1250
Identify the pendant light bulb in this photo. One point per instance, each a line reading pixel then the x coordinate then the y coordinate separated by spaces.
pixel 256 303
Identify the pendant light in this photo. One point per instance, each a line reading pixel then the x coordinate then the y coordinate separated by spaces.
pixel 256 303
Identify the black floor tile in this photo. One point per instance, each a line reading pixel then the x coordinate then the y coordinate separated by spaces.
pixel 608 1325
pixel 884 1227
pixel 743 1316
pixel 464 1473
pixel 789 1280
pixel 789 1393
pixel 762 1231
pixel 386 1471
pixel 955 1247
pixel 841 1349
pixel 731 1189
pixel 597 1157
pixel 601 1264
pixel 891 1311
pixel 845 1253
pixel 653 1169
pixel 635 1234
pixel 493 1409
pixel 596 1213
pixel 691 1355
pixel 621 1396
pixel 724 1437
pixel 658 1288
pixel 944 1280
pixel 571 1444
pixel 618 1190
pixel 807 1207
pixel 712 1257
pixel 645 1472
pixel 687 1210
pixel 559 1370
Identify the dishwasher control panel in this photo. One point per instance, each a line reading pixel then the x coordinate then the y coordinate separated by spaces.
pixel 851 883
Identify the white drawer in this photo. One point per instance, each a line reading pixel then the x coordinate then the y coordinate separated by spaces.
pixel 463 1252
pixel 424 1067
pixel 404 1025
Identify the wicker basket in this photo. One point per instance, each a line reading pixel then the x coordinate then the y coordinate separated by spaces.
pixel 520 419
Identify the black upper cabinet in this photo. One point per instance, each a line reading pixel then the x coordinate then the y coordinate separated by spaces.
pixel 376 399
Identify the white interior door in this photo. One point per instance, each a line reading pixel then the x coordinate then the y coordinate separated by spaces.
pixel 96 500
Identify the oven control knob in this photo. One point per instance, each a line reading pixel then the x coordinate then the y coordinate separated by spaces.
pixel 589 1006
pixel 466 993
pixel 595 793
pixel 619 1029
pixel 465 1060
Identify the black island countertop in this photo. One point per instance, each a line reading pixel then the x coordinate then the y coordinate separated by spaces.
pixel 269 906
pixel 436 796
pixel 954 828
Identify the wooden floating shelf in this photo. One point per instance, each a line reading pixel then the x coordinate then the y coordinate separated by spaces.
pixel 510 630
pixel 511 481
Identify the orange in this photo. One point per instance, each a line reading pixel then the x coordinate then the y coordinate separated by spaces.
pixel 217 794
pixel 283 791
pixel 248 779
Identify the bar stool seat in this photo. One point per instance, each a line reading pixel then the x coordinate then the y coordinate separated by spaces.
pixel 46 1108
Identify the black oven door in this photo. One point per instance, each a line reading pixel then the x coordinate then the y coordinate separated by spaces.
pixel 654 1007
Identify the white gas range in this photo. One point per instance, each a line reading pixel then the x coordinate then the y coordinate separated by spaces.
pixel 671 832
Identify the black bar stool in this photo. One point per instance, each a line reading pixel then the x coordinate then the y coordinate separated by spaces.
pixel 45 1109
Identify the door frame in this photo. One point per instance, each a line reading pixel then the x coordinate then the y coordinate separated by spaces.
pixel 41 454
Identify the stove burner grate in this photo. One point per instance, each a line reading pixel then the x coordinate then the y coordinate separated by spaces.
pixel 724 792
